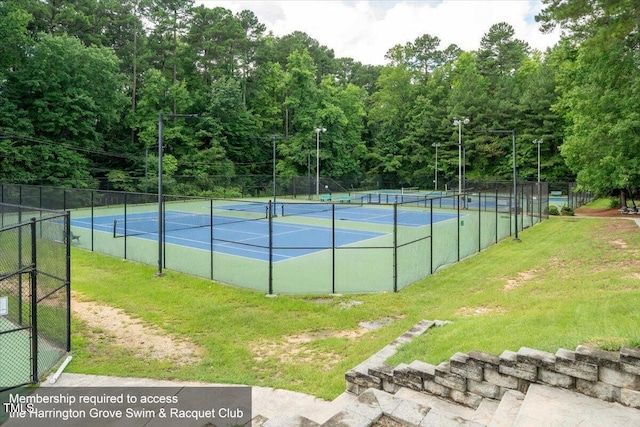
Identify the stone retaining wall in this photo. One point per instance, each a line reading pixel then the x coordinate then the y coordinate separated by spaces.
pixel 469 378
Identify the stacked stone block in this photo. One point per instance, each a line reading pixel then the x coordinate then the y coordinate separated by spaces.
pixel 467 379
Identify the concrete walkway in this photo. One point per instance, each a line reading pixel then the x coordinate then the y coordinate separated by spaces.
pixel 267 402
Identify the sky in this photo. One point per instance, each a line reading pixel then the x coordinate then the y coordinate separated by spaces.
pixel 366 29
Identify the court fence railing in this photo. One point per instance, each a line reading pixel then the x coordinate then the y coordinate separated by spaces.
pixel 199 236
pixel 35 327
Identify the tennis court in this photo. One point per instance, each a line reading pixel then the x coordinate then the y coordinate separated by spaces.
pixel 372 215
pixel 248 238
pixel 439 199
pixel 243 229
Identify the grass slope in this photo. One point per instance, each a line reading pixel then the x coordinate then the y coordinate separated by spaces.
pixel 570 281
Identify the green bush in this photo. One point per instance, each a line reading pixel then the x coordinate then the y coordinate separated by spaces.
pixel 553 210
pixel 566 210
pixel 614 203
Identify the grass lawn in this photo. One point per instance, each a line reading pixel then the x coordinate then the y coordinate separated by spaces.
pixel 570 281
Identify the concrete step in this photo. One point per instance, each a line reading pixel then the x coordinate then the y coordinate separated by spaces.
pixel 550 406
pixel 408 409
pixel 274 403
pixel 258 421
pixel 290 421
pixel 508 409
pixel 481 415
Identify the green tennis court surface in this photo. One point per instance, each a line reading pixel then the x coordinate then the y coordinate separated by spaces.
pixel 15 353
pixel 244 232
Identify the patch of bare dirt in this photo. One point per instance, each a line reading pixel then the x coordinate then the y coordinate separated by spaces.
pixel 619 243
pixel 146 341
pixel 523 277
pixel 300 348
pixel 294 353
pixel 477 311
pixel 297 349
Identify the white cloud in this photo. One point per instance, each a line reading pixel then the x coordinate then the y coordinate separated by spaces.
pixel 366 29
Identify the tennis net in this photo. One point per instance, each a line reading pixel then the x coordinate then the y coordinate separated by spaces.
pixel 410 190
pixel 295 209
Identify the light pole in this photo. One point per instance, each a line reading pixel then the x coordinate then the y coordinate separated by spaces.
pixel 318 129
pixel 161 117
pixel 515 181
pixel 436 144
pixel 273 140
pixel 539 142
pixel 309 172
pixel 459 123
pixel 146 168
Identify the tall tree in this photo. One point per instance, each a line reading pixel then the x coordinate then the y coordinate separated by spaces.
pixel 213 38
pixel 341 109
pixel 603 142
pixel 72 95
pixel 536 89
pixel 170 18
pixel 13 32
pixel 301 112
pixel 500 53
pixel 587 18
pixel 237 126
pixel 268 99
pixel 76 18
pixel 248 46
pixel 388 114
pixel 599 82
pixel 282 47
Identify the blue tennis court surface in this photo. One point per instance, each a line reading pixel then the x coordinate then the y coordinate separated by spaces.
pixel 248 238
pixel 248 235
pixel 406 217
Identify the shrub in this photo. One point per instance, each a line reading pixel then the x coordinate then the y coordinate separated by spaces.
pixel 566 210
pixel 553 210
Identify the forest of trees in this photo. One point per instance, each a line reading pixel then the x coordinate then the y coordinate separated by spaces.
pixel 82 83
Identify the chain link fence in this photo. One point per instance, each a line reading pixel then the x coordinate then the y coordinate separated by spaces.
pixel 353 242
pixel 34 293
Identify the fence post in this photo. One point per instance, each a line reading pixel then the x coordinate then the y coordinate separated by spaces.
pixel 270 249
pixel 512 201
pixel 125 225
pixel 92 215
pixel 458 226
pixel 68 277
pixel 431 239
pixel 34 304
pixel 395 247
pixel 211 237
pixel 333 248
pixel 20 265
pixel 497 215
pixel 479 222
